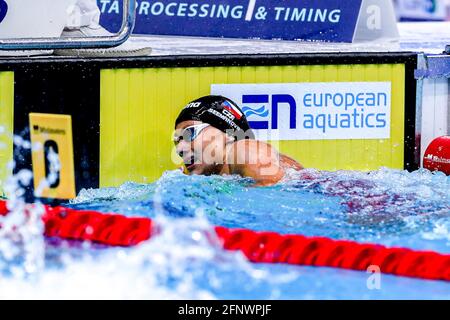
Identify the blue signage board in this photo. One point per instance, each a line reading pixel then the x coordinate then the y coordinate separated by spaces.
pixel 321 20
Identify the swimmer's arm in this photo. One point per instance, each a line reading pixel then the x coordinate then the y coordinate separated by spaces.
pixel 257 160
pixel 291 163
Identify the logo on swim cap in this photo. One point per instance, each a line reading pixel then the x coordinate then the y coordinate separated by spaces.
pixel 218 111
pixel 193 105
pixel 234 111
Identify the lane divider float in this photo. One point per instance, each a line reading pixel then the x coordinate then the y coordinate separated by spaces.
pixel 259 247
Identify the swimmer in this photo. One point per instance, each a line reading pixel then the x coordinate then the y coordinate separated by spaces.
pixel 212 136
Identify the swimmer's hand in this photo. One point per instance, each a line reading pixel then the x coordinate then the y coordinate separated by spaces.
pixel 184 169
pixel 257 160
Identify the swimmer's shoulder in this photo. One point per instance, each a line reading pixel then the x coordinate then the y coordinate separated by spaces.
pixel 255 159
pixel 255 151
pixel 250 151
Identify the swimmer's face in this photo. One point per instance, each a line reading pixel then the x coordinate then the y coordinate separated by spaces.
pixel 205 153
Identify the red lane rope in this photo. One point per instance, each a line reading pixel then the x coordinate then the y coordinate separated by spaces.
pixel 263 247
pixel 3 208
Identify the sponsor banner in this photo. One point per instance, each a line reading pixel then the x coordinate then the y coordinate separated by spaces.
pixel 314 111
pixel 325 20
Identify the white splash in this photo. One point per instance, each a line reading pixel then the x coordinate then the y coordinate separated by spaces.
pixel 175 264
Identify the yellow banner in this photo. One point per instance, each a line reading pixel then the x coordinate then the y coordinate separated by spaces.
pixel 138 108
pixel 6 125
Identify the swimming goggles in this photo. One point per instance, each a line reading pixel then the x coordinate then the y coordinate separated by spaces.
pixel 190 133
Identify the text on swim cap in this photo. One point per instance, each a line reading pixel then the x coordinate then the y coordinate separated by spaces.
pixel 193 105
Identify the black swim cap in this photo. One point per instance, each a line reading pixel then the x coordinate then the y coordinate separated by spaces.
pixel 221 113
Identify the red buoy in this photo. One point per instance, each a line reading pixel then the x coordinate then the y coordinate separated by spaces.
pixel 437 155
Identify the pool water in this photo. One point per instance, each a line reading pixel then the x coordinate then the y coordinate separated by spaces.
pixel 185 261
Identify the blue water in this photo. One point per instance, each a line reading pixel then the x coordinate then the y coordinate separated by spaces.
pixel 390 207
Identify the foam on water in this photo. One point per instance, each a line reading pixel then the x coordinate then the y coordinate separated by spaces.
pixel 185 260
pixel 387 206
pixel 21 231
